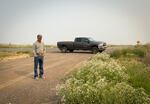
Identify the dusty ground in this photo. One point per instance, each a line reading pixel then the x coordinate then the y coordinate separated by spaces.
pixel 17 85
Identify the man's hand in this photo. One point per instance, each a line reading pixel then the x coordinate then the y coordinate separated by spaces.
pixel 41 53
pixel 34 53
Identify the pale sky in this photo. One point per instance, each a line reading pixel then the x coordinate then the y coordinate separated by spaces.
pixel 112 21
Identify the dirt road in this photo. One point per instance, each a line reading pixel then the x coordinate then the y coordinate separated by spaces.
pixel 17 85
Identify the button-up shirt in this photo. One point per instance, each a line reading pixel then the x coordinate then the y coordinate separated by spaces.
pixel 38 49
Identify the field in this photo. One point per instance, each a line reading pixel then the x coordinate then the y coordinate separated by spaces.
pixel 16 51
pixel 120 77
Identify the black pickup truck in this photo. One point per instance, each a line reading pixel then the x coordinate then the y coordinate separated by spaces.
pixel 82 43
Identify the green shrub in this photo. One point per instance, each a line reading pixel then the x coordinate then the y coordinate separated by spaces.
pixel 139 74
pixel 129 52
pixel 101 81
pixel 146 59
pixel 138 52
pixel 125 94
pixel 116 54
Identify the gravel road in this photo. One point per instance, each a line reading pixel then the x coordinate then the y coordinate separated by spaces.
pixel 17 85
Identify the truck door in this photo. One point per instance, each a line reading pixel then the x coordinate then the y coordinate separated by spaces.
pixel 78 43
pixel 85 44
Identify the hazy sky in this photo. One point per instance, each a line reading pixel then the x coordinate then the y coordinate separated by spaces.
pixel 112 21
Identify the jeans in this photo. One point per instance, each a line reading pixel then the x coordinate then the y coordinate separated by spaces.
pixel 38 60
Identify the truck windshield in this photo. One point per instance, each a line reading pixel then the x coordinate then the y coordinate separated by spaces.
pixel 91 39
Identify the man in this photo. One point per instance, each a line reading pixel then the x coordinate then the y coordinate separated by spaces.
pixel 38 51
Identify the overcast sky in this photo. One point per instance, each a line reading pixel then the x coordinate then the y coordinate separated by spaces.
pixel 112 21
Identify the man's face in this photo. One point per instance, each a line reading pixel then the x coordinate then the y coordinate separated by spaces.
pixel 39 38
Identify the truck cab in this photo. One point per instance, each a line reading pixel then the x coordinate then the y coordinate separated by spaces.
pixel 82 43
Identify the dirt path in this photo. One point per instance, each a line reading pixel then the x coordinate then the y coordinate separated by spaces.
pixel 17 85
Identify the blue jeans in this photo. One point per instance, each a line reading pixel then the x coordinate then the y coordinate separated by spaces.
pixel 38 60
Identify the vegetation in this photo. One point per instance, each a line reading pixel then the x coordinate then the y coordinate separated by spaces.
pixel 137 63
pixel 14 46
pixel 4 55
pixel 25 52
pixel 10 50
pixel 128 52
pixel 19 46
pixel 119 78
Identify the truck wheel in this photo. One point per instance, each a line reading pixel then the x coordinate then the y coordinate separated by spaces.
pixel 70 50
pixel 64 49
pixel 95 50
pixel 101 51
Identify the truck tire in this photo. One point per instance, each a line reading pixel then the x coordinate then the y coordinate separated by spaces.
pixel 71 50
pixel 101 51
pixel 64 49
pixel 95 50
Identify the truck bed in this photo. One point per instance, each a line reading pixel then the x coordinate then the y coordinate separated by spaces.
pixel 68 44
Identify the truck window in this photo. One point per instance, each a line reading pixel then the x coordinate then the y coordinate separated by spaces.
pixel 85 40
pixel 78 40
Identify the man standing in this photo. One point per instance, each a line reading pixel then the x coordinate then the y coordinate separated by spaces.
pixel 38 51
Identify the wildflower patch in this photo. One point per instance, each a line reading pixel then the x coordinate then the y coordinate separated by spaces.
pixel 101 81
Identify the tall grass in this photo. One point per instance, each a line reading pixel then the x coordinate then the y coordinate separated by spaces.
pixel 104 80
pixel 14 46
pixel 8 50
pixel 129 52
pixel 137 62
pixel 20 46
pixel 4 55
